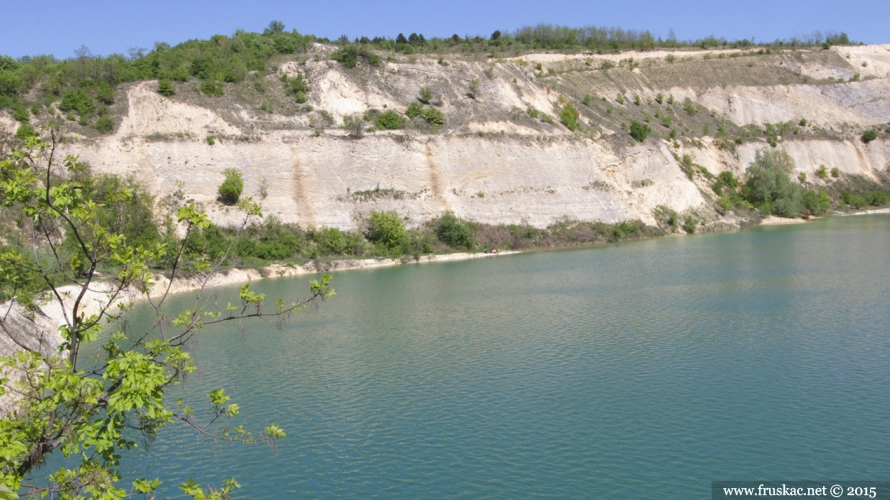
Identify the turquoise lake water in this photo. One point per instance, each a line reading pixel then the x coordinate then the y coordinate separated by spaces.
pixel 638 370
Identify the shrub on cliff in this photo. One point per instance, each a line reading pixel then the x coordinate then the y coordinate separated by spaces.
pixel 869 135
pixel 230 189
pixel 639 131
pixel 166 88
pixel 104 124
pixel 569 117
pixel 78 100
pixel 414 109
pixel 390 120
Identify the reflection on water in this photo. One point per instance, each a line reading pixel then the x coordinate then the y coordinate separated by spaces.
pixel 600 373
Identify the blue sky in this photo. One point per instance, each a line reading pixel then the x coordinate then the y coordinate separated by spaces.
pixel 60 27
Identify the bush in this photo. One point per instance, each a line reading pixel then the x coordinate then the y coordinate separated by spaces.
pixel 230 189
pixel 869 135
pixel 104 124
pixel 296 85
pixel 802 177
pixel 330 241
pixel 817 203
pixel 659 98
pixel 569 117
pixel 639 131
pixel 689 106
pixel 350 54
pixel 166 88
pixel 79 101
pixel 390 120
pixel 212 88
pixel 387 230
pixel 21 114
pixel 104 93
pixel 415 109
pixel 667 121
pixel 770 188
pixel 454 232
pixel 354 126
pixel 835 172
pixel 433 116
pixel 24 131
pixel 474 87
pixel 822 172
pixel 689 224
pixel 426 95
pixel 879 198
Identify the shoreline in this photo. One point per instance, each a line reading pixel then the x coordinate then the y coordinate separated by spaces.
pixel 97 297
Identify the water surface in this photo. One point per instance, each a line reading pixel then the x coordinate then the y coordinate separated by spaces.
pixel 638 370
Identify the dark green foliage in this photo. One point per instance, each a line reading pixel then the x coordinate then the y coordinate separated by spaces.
pixel 21 114
pixel 166 88
pixel 389 120
pixel 433 116
pixel 835 172
pixel 639 131
pixel 816 202
pixel 104 93
pixel 454 232
pixel 587 99
pixel 349 55
pixel 659 98
pixel 690 224
pixel 24 131
pixel 770 188
pixel 297 86
pixel 689 107
pixel 879 198
pixel 725 180
pixel 415 109
pixel 869 135
pixel 230 190
pixel 387 230
pixel 569 117
pixel 79 101
pixel 9 83
pixel 212 88
pixel 822 172
pixel 330 241
pixel 104 124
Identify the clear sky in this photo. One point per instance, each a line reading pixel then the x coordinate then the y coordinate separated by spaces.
pixel 59 27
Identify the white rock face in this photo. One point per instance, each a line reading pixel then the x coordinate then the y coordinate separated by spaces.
pixel 485 167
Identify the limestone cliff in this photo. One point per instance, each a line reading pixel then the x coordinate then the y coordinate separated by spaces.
pixel 493 160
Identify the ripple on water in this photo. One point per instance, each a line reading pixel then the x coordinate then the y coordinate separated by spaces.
pixel 586 373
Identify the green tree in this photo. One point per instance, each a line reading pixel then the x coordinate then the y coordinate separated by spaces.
pixel 454 232
pixel 166 88
pixel 639 131
pixel 387 230
pixel 769 186
pixel 230 190
pixel 94 410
